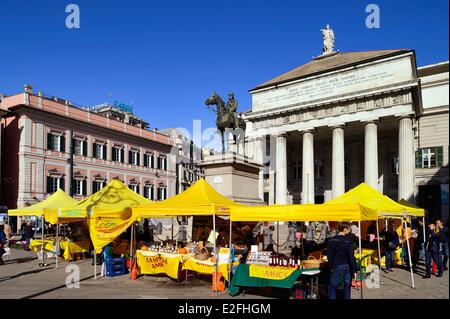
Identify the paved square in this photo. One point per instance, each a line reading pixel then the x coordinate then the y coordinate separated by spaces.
pixel 21 277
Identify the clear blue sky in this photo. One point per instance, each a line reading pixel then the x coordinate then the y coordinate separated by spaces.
pixel 168 56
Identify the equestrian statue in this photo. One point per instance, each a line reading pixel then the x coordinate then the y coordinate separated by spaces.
pixel 227 117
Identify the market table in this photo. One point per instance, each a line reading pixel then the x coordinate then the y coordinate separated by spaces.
pixel 152 263
pixel 205 267
pixel 73 247
pixel 36 245
pixel 264 276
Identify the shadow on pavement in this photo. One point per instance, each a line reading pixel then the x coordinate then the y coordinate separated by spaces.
pixel 24 274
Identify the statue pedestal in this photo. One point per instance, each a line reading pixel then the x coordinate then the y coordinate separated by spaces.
pixel 234 176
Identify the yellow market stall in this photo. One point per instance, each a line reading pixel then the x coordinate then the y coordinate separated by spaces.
pixel 384 207
pixel 49 210
pixel 109 213
pixel 306 213
pixel 201 199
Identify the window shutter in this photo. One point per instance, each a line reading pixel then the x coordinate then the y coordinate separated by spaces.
pixel 138 189
pixel 84 187
pixel 122 155
pixel 419 158
pixel 84 148
pixel 129 158
pixel 113 154
pixel 94 187
pixel 104 151
pixel 62 183
pixel 439 156
pixel 165 163
pixel 62 144
pixel 50 141
pixel 145 160
pixel 104 184
pixel 94 149
pixel 152 159
pixel 138 158
pixel 49 185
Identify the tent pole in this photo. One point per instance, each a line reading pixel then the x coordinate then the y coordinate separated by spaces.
pixel 215 253
pixel 423 226
pixel 409 251
pixel 57 241
pixel 360 258
pixel 278 237
pixel 379 248
pixel 131 245
pixel 42 246
pixel 231 256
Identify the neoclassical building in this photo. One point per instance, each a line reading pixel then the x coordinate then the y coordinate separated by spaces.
pixel 349 117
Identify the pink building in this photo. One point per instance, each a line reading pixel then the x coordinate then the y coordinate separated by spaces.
pixel 38 132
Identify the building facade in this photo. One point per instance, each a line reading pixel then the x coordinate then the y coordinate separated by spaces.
pixel 188 156
pixel 49 142
pixel 346 118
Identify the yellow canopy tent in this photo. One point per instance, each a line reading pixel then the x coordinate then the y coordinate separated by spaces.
pixel 109 212
pixel 199 199
pixel 368 197
pixel 384 206
pixel 49 208
pixel 306 212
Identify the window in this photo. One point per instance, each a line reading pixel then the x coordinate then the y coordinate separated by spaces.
pixel 149 160
pixel 80 147
pixel 162 193
pixel 148 192
pixel 318 168
pixel 80 187
pixel 134 187
pixel 394 165
pixel 99 150
pixel 429 157
pixel 56 142
pixel 53 183
pixel 162 163
pixel 133 157
pixel 297 170
pixel 117 154
pixel 97 185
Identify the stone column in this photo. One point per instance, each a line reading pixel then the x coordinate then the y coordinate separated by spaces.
pixel 281 173
pixel 371 155
pixel 308 168
pixel 259 158
pixel 406 159
pixel 338 162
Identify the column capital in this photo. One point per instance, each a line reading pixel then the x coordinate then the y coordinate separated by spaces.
pixel 282 134
pixel 309 130
pixel 342 126
pixel 371 121
pixel 404 116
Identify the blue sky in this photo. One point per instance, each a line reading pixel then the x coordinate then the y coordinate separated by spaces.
pixel 168 56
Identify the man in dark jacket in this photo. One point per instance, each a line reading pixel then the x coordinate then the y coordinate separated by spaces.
pixel 341 259
pixel 443 235
pixel 432 250
pixel 28 235
pixel 390 244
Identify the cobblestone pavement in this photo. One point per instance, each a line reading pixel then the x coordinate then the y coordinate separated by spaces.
pixel 21 277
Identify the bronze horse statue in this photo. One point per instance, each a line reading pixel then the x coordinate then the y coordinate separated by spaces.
pixel 226 119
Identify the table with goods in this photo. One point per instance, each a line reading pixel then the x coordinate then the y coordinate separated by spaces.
pixel 270 269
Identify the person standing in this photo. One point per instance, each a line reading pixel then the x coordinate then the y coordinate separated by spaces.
pixel 443 234
pixel 341 259
pixel 28 235
pixel 2 244
pixel 390 244
pixel 432 250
